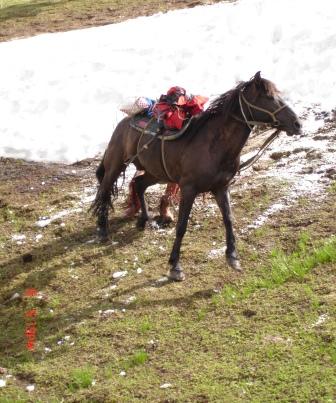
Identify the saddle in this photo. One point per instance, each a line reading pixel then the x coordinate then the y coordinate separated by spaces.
pixel 149 125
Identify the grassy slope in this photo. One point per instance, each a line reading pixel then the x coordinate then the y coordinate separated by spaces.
pixel 29 17
pixel 252 341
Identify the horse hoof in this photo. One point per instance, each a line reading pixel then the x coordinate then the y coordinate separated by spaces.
pixel 163 221
pixel 176 275
pixel 102 235
pixel 103 238
pixel 141 223
pixel 234 263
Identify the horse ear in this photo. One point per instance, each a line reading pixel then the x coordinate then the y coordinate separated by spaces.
pixel 257 78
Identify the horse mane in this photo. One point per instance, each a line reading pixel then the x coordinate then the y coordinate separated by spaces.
pixel 227 104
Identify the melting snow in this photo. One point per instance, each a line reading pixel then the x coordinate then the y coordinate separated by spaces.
pixel 44 221
pixel 304 174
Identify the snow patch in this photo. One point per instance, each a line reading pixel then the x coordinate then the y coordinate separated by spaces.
pixel 63 102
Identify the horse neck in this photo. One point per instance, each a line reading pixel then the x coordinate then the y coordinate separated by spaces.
pixel 233 136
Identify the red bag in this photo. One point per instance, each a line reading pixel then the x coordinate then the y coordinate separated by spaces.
pixel 175 107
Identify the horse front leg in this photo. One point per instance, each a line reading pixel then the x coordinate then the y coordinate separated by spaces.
pixel 187 199
pixel 223 200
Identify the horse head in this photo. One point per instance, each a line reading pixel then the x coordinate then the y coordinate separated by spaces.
pixel 260 103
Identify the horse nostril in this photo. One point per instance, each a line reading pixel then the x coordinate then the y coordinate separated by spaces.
pixel 297 124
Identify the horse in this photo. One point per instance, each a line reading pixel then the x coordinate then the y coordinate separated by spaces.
pixel 205 159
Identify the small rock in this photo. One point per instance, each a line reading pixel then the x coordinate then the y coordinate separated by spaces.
pixel 2 383
pixel 331 173
pixel 30 388
pixel 307 170
pixel 139 270
pixel 166 386
pixel 131 299
pixel 3 370
pixel 248 313
pixel 162 280
pixel 27 258
pixel 18 237
pixel 14 296
pixel 119 274
pixel 259 167
pixel 301 149
pixel 279 154
pixel 313 155
pixel 38 237
pixel 122 373
pixel 321 137
pixel 107 313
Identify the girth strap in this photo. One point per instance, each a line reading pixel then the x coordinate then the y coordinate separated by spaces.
pixel 164 159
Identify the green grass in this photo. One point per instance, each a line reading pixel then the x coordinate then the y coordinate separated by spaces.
pixel 283 267
pixel 137 358
pixel 81 378
pixel 332 187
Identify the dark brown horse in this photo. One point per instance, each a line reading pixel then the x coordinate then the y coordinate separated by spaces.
pixel 205 159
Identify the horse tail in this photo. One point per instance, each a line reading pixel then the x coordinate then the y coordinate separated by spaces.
pixel 100 171
pixel 110 168
pixel 108 189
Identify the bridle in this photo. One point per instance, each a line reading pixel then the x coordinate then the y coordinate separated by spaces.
pixel 250 123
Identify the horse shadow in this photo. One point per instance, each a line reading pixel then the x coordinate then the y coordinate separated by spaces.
pixel 12 343
pixel 33 259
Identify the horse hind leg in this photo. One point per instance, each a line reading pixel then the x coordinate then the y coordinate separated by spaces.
pixel 171 194
pixel 141 183
pixel 107 188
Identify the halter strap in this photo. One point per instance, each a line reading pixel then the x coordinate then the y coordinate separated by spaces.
pixel 251 123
